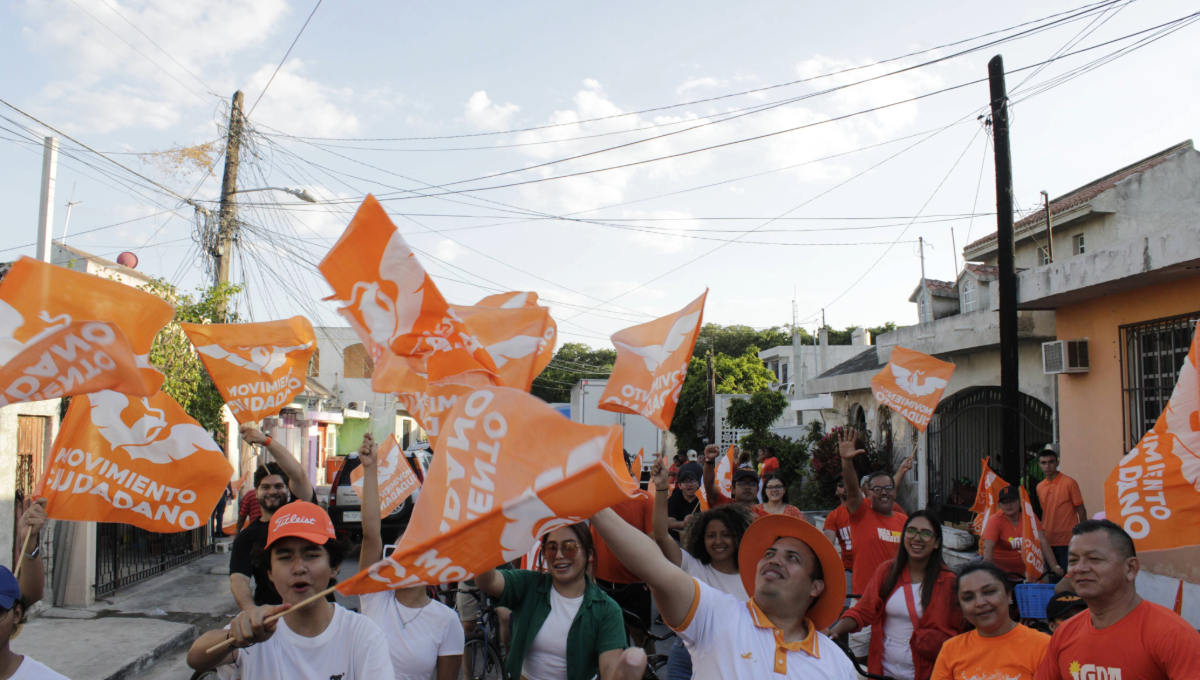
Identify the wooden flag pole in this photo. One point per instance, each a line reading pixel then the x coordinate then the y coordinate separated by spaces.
pixel 275 617
pixel 21 556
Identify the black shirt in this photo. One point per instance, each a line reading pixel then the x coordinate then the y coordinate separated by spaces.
pixel 678 509
pixel 252 537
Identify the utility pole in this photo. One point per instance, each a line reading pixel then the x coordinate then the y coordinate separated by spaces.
pixel 928 302
pixel 67 222
pixel 1010 391
pixel 1049 229
pixel 712 402
pixel 46 204
pixel 227 218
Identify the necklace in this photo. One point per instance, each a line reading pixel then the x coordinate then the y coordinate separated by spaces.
pixel 404 624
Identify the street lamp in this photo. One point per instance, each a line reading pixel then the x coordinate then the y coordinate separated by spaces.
pixel 298 193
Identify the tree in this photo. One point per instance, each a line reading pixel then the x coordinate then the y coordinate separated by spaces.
pixel 827 465
pixel 571 363
pixel 757 414
pixel 186 379
pixel 743 374
pixel 734 340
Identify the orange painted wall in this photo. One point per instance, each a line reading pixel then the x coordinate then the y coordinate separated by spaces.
pixel 1091 405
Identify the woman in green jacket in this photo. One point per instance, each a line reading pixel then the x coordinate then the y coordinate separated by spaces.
pixel 564 627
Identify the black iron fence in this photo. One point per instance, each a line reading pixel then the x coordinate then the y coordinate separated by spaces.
pixel 126 554
pixel 964 430
pixel 1151 355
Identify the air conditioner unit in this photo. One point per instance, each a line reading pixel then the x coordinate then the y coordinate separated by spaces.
pixel 1065 356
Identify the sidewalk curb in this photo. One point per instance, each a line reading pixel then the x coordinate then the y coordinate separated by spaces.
pixel 149 658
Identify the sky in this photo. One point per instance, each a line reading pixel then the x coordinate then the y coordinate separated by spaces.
pixel 783 198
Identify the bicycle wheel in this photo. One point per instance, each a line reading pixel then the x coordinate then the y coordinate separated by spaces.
pixel 481 662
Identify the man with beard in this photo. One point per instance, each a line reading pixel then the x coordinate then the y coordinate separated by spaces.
pixel 276 484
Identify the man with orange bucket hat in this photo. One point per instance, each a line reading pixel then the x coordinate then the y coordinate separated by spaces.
pixel 777 634
pixel 319 640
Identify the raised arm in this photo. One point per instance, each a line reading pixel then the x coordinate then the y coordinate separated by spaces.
pixel 848 452
pixel 672 588
pixel 898 478
pixel 711 452
pixel 298 482
pixel 372 543
pixel 491 582
pixel 33 571
pixel 660 525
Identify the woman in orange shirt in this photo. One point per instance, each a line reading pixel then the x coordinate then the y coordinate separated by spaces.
pixel 776 492
pixel 998 647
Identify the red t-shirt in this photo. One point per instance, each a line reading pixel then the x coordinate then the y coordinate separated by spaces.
pixel 1008 543
pixel 1150 643
pixel 1059 500
pixel 769 465
pixel 838 522
pixel 250 507
pixel 638 512
pixel 876 539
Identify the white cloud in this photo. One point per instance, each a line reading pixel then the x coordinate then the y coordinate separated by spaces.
pixel 695 82
pixel 447 250
pixel 483 114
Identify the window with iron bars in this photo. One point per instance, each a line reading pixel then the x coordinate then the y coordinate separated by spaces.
pixel 1151 355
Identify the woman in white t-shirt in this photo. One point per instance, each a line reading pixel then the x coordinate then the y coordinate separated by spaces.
pixel 424 636
pixel 709 554
pixel 319 641
pixel 12 614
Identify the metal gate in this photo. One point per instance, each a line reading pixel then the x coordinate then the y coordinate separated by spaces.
pixel 126 554
pixel 964 430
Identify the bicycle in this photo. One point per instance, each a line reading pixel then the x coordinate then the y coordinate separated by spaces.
pixel 483 656
pixel 635 628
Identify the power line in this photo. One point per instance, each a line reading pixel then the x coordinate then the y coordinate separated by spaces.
pixel 160 49
pixel 89 231
pixel 285 56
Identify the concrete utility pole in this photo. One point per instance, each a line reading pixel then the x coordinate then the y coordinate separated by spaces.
pixel 46 205
pixel 1049 229
pixel 928 306
pixel 227 218
pixel 1010 390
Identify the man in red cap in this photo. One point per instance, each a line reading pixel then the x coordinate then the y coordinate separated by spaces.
pixel 318 640
pixel 783 561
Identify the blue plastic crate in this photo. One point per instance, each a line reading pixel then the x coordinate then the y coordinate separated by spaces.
pixel 1032 599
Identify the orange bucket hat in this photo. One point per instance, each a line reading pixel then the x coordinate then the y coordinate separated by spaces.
pixel 763 533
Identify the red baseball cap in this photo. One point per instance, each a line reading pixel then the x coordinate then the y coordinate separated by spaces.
pixel 303 520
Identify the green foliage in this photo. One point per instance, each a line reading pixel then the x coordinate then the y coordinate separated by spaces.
pixel 743 374
pixel 735 340
pixel 827 465
pixel 186 379
pixel 843 337
pixel 572 362
pixel 758 412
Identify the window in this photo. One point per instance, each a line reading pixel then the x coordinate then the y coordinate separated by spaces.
pixel 356 363
pixel 1152 354
pixel 785 373
pixel 1043 257
pixel 1077 244
pixel 923 308
pixel 314 364
pixel 969 296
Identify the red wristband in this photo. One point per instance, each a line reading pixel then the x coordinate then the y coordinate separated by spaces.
pixel 268 442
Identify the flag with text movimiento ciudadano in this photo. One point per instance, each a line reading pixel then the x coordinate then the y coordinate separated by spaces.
pixel 397 481
pixel 1031 544
pixel 987 499
pixel 912 384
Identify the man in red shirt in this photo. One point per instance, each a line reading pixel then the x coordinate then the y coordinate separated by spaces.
pixel 875 524
pixel 837 530
pixel 249 511
pixel 622 585
pixel 1062 504
pixel 1003 537
pixel 1121 635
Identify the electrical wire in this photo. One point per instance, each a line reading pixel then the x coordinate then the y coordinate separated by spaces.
pixel 285 56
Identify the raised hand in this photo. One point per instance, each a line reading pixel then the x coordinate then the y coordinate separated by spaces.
pixel 33 516
pixel 660 475
pixel 711 452
pixel 847 443
pixel 906 465
pixel 368 453
pixel 252 435
pixel 250 627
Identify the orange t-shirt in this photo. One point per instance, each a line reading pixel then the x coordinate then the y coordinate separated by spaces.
pixel 1150 643
pixel 1059 500
pixel 760 510
pixel 876 540
pixel 1008 543
pixel 838 522
pixel 1015 655
pixel 638 512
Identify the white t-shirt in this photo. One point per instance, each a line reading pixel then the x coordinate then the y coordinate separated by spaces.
pixel 31 669
pixel 726 644
pixel 547 655
pixel 731 584
pixel 898 631
pixel 415 637
pixel 350 648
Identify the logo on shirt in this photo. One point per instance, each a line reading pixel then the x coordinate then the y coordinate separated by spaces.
pixel 749 656
pixel 339 676
pixel 1015 542
pixel 888 535
pixel 1093 672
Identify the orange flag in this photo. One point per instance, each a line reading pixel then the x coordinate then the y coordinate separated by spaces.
pixel 431 406
pixel 82 357
pixel 635 467
pixel 911 384
pixel 391 300
pixel 240 482
pixel 987 498
pixel 397 481
pixel 1179 599
pixel 513 337
pixel 1154 493
pixel 652 362
pixel 507 469
pixel 38 299
pixel 257 367
pixel 724 473
pixel 136 461
pixel 527 299
pixel 1031 544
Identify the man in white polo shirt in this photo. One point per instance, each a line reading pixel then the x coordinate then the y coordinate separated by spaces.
pixel 783 561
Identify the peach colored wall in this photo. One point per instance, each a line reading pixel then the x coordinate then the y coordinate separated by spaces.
pixel 1091 404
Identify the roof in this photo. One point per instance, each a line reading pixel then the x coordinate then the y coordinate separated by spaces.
pixel 867 360
pixel 984 272
pixel 314 388
pixel 936 288
pixel 109 264
pixel 1089 191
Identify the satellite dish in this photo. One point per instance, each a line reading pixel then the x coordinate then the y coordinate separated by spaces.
pixel 127 259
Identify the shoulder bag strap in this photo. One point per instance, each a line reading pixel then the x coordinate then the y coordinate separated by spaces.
pixel 912 607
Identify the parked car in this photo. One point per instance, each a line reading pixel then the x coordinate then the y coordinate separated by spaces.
pixel 346 511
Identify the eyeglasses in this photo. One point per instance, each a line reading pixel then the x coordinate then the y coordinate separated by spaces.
pixel 775 487
pixel 568 549
pixel 882 489
pixel 747 482
pixel 913 532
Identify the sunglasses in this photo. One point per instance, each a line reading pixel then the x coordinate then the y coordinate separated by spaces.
pixel 913 532
pixel 568 549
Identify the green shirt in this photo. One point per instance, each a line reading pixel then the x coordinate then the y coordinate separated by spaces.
pixel 598 626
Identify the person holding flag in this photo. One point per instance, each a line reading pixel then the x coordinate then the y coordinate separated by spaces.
pixel 424 638
pixel 745 482
pixel 626 589
pixel 12 619
pixel 685 501
pixel 1004 536
pixel 318 641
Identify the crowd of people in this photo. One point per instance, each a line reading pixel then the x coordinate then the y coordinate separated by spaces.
pixel 750 588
